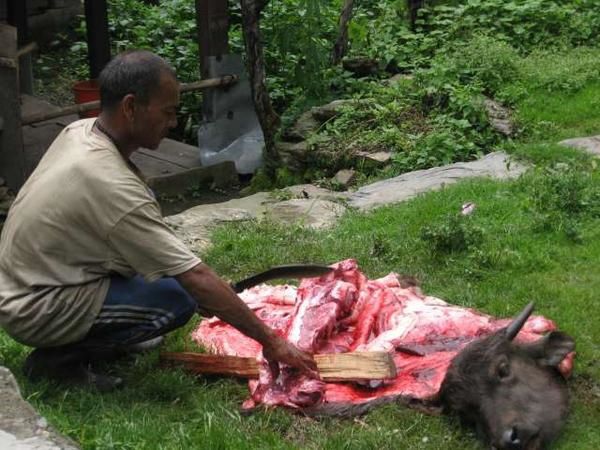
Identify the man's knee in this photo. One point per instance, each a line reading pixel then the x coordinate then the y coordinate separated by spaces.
pixel 182 305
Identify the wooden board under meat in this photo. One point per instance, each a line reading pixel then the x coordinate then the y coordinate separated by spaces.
pixel 332 367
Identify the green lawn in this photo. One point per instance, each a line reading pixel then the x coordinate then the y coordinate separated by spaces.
pixel 521 256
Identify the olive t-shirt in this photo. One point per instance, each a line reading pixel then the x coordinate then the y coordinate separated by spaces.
pixel 82 215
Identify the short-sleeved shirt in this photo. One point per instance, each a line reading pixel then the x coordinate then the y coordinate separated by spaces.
pixel 82 215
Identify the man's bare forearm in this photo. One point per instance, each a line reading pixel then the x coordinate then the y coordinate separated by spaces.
pixel 215 297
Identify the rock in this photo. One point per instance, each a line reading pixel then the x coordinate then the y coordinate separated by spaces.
pixel 194 226
pixel 398 78
pixel 311 213
pixel 309 205
pixel 293 154
pixel 377 158
pixel 310 191
pixel 3 192
pixel 589 144
pixel 330 110
pixel 21 428
pixel 499 116
pixel 361 66
pixel 345 177
pixel 496 165
pixel 302 129
pixel 2 182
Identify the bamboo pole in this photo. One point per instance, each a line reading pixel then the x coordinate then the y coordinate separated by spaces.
pixel 223 81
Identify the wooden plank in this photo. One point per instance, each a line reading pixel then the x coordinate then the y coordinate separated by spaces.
pixel 184 155
pixel 153 167
pixel 220 175
pixel 332 367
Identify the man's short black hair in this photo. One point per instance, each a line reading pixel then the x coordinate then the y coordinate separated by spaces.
pixel 134 72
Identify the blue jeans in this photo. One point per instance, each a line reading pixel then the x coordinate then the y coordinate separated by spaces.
pixel 135 310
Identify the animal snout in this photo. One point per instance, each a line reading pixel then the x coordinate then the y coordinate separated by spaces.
pixel 518 438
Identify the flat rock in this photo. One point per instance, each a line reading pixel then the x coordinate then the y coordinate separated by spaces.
pixel 194 225
pixel 318 207
pixel 409 185
pixel 589 144
pixel 315 213
pixel 305 204
pixel 21 428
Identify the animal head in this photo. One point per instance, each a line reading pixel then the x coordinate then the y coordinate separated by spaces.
pixel 512 393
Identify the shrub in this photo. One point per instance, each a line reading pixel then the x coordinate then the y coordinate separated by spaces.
pixel 455 233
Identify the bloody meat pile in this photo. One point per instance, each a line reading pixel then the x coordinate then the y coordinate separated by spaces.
pixel 345 311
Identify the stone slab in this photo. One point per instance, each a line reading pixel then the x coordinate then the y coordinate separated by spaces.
pixel 496 165
pixel 590 144
pixel 310 206
pixel 21 427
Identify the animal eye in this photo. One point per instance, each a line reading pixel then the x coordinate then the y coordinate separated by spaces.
pixel 503 370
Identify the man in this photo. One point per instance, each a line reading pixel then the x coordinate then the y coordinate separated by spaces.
pixel 88 268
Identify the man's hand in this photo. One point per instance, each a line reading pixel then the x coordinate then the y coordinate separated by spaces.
pixel 278 350
pixel 216 297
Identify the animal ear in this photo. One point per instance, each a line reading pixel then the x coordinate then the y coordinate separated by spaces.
pixel 552 348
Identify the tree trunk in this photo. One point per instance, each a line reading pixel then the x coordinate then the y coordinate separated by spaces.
pixel 413 9
pixel 268 118
pixel 341 44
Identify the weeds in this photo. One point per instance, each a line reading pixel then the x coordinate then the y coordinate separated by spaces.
pixel 455 233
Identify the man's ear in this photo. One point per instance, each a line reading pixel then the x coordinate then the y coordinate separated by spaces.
pixel 551 349
pixel 128 106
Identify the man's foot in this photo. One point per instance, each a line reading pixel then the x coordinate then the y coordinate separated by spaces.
pixel 145 346
pixel 60 368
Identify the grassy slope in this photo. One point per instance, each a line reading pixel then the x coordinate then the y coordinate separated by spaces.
pixel 169 409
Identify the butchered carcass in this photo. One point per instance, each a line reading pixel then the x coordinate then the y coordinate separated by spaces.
pixel 345 311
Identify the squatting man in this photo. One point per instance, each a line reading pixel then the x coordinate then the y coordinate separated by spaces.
pixel 88 268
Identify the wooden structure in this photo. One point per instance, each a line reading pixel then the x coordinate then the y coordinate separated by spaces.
pixel 12 157
pixel 15 162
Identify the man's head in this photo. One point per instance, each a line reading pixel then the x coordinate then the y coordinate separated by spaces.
pixel 139 93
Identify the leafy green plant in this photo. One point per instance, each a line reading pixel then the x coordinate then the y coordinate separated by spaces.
pixel 560 196
pixel 455 233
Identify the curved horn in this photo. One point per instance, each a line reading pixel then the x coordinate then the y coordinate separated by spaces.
pixel 516 325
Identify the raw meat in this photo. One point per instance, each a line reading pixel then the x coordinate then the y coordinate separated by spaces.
pixel 344 311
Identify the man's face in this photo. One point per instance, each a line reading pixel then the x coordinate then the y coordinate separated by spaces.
pixel 153 121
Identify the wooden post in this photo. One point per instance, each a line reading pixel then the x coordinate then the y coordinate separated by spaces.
pixel 212 24
pixel 12 154
pixel 16 15
pixel 96 21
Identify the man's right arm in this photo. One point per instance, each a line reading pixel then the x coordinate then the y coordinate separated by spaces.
pixel 215 297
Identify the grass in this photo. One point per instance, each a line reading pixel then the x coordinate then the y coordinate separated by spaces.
pixel 513 264
pixel 522 256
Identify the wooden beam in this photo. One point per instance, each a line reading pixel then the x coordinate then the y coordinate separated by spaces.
pixel 332 367
pixel 84 107
pixel 12 155
pixel 96 20
pixel 212 23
